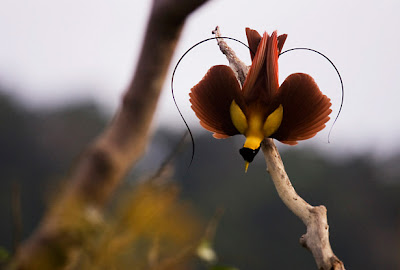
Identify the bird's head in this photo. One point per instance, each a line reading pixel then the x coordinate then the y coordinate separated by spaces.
pixel 248 155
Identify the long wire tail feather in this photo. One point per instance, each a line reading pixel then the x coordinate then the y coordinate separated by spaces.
pixel 172 85
pixel 230 38
pixel 340 78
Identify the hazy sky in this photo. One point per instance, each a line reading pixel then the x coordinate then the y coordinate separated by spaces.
pixel 56 51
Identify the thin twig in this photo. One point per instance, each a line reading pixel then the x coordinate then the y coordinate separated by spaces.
pixel 167 163
pixel 316 238
pixel 211 229
pixel 16 215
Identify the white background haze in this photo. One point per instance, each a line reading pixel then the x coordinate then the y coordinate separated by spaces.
pixel 56 52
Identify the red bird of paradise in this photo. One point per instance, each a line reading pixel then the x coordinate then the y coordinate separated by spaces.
pixel 296 110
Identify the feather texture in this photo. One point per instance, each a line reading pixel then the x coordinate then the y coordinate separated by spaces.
pixel 212 97
pixel 305 109
pixel 281 41
pixel 295 111
pixel 253 39
pixel 272 66
pixel 256 79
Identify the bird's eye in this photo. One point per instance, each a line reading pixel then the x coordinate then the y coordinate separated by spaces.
pixel 248 154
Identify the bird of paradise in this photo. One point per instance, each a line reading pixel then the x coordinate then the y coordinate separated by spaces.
pixel 294 111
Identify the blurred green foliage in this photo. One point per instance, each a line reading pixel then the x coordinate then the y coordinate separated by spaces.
pixel 38 148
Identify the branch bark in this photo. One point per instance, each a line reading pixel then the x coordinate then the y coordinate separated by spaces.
pixel 106 161
pixel 316 239
pixel 239 67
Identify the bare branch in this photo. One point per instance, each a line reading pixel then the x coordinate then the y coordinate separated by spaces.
pixel 107 160
pixel 316 238
pixel 235 63
pixel 314 217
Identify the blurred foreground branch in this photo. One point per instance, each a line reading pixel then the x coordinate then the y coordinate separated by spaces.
pixel 77 212
pixel 316 239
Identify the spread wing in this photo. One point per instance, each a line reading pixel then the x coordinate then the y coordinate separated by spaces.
pixel 212 97
pixel 305 109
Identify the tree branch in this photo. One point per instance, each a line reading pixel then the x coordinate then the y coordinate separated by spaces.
pixel 106 161
pixel 235 63
pixel 316 238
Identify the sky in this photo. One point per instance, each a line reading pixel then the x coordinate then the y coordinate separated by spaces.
pixel 58 52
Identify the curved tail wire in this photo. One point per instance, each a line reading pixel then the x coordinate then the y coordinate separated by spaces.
pixel 172 85
pixel 337 72
pixel 212 38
